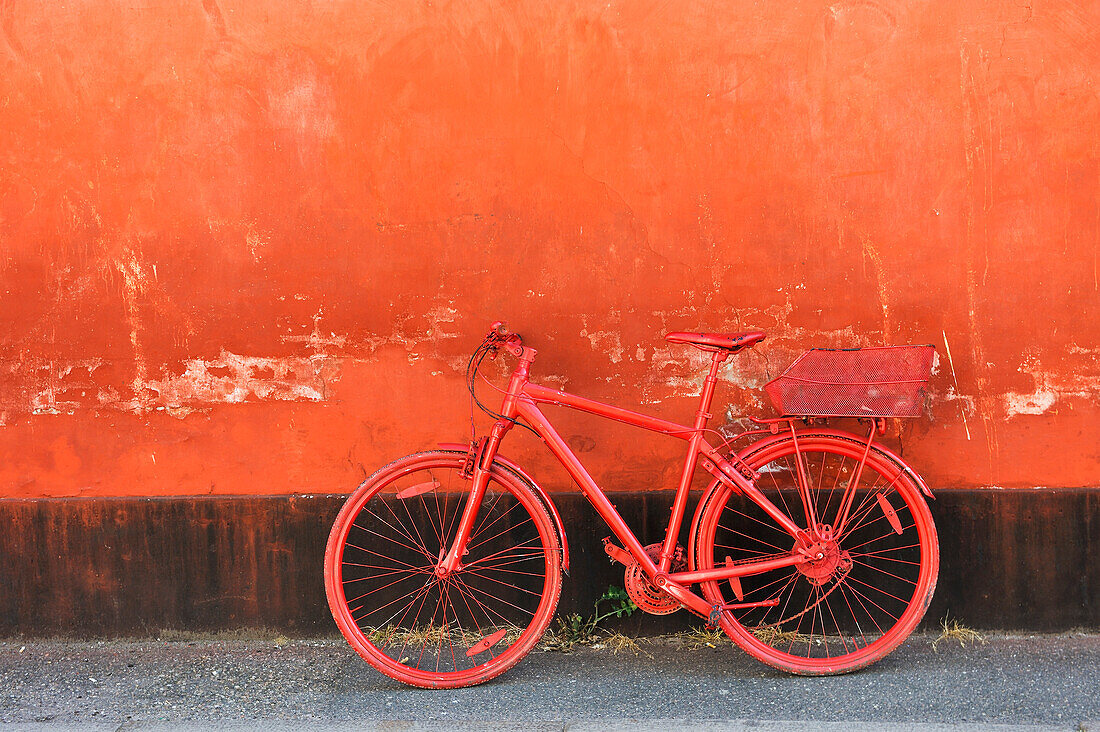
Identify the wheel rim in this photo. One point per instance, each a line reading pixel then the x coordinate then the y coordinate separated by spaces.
pixel 866 584
pixel 428 629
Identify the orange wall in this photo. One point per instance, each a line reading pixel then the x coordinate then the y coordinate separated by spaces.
pixel 246 247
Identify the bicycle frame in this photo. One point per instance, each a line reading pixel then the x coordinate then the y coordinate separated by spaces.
pixel 523 398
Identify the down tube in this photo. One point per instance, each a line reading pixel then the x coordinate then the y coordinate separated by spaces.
pixel 531 413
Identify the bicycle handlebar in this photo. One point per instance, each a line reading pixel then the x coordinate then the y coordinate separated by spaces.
pixel 499 334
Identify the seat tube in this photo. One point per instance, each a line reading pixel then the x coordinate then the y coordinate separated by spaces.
pixel 679 505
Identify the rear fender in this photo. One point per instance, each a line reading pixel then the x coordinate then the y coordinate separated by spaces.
pixel 514 468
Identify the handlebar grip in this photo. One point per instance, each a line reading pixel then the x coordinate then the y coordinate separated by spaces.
pixel 499 333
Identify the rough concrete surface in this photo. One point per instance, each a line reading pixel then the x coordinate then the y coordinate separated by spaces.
pixel 1050 681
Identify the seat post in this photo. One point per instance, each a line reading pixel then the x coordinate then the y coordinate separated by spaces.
pixel 707 396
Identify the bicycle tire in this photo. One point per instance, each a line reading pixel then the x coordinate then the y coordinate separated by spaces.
pixel 466 628
pixel 856 605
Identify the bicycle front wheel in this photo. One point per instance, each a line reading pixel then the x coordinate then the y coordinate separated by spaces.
pixel 457 630
pixel 877 567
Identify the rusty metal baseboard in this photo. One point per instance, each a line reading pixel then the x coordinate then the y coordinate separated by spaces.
pixel 1023 560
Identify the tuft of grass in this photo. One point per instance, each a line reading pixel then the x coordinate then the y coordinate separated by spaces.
pixel 569 632
pixel 432 635
pixel 702 637
pixel 773 636
pixel 619 643
pixel 953 630
pixel 175 635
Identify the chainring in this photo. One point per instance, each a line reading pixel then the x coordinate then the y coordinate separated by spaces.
pixel 644 593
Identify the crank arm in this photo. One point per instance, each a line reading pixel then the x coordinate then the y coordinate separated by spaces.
pixel 617 553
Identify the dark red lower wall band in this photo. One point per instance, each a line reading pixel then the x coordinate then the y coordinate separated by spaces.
pixel 1019 560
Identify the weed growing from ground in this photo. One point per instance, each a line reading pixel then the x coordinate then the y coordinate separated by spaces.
pixel 703 637
pixel 575 630
pixel 954 631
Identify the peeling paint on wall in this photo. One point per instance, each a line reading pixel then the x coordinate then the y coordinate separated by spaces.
pixel 231 378
pixel 228 379
pixel 1052 387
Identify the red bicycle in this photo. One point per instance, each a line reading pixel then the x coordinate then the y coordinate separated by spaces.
pixel 812 547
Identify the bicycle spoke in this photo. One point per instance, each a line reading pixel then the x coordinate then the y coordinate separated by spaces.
pixel 887 535
pixel 426 588
pixel 390 538
pixel 770 524
pixel 879 590
pixel 397 518
pixel 506 584
pixel 436 530
pixel 883 571
pixel 860 597
pixel 484 608
pixel 772 547
pixel 423 550
pixel 404 504
pixel 499 568
pixel 503 551
pixel 786 579
pixel 780 491
pixel 422 595
pixel 376 589
pixel 500 533
pixel 881 555
pixel 486 512
pixel 386 556
pixel 498 599
pixel 380 574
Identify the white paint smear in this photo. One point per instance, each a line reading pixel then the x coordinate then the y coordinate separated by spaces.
pixel 232 378
pixel 1050 388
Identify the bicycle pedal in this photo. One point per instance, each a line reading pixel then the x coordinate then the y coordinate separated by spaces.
pixel 715 613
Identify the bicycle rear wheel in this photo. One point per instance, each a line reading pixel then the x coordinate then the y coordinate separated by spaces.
pixel 457 630
pixel 874 579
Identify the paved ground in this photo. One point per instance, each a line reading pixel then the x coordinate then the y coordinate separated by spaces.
pixel 1051 681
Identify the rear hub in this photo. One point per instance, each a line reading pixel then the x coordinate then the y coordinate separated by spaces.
pixel 824 557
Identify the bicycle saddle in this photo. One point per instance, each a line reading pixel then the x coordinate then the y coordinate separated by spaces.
pixel 732 342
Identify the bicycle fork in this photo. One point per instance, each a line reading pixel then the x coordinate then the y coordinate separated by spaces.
pixel 481 455
pixel 483 461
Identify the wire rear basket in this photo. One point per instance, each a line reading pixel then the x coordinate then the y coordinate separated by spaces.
pixel 854 382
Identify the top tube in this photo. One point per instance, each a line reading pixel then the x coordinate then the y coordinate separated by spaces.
pixel 545 395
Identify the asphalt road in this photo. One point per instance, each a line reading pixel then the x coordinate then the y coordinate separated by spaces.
pixel 1052 681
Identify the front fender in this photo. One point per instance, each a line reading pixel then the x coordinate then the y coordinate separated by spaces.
pixel 513 467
